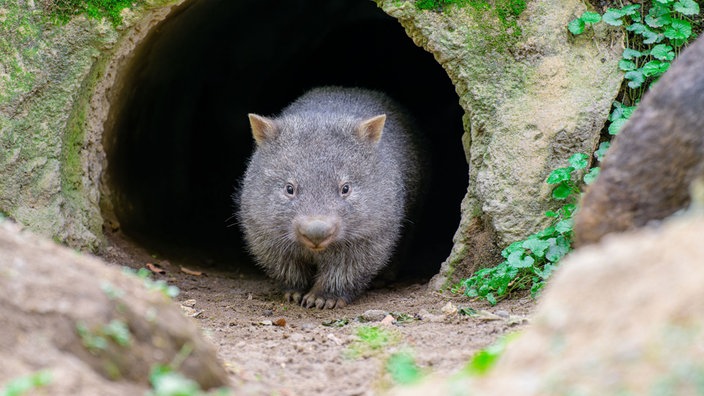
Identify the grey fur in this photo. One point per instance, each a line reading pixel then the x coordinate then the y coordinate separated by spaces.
pixel 314 145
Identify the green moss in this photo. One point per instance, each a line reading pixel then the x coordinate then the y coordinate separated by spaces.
pixel 62 11
pixel 498 18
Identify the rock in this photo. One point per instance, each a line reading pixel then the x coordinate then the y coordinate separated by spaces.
pixel 527 110
pixel 619 317
pixel 374 315
pixel 88 324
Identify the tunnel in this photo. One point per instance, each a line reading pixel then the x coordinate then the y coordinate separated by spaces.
pixel 179 141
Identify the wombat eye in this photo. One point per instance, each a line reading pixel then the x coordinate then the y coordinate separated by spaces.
pixel 290 190
pixel 345 189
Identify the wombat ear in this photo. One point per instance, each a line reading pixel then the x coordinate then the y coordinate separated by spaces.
pixel 371 129
pixel 263 128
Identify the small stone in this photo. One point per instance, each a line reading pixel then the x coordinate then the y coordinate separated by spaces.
pixel 374 315
pixel 189 303
pixel 449 308
pixel 502 313
pixel 388 320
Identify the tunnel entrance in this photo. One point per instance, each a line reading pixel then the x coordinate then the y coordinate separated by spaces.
pixel 179 137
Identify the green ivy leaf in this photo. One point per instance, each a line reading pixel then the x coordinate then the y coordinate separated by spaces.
pixel 559 175
pixel 613 16
pixel 687 7
pixel 550 213
pixel 591 17
pixel 601 151
pixel 591 176
pixel 520 260
pixel 562 191
pixel 655 68
pixel 564 226
pixel 630 53
pixel 514 247
pixel 635 78
pixel 626 65
pixel 658 16
pixel 536 246
pixel 662 52
pixel 678 30
pixel 579 161
pixel 616 126
pixel 557 250
pixel 576 26
pixel 630 9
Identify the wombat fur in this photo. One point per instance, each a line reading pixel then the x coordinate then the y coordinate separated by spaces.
pixel 653 160
pixel 326 192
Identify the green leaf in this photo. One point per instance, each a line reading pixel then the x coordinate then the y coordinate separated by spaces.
pixel 664 1
pixel 635 78
pixel 591 176
pixel 576 26
pixel 579 161
pixel 649 36
pixel 662 52
pixel 626 65
pixel 557 250
pixel 590 17
pixel 559 175
pixel 678 30
pixel 520 260
pixel 549 231
pixel 613 17
pixel 616 126
pixel 550 213
pixel 564 226
pixel 630 9
pixel 687 7
pixel 403 368
pixel 655 68
pixel 491 299
pixel 536 246
pixel 630 53
pixel 562 191
pixel 658 16
pixel 567 210
pixel 601 151
pixel 514 247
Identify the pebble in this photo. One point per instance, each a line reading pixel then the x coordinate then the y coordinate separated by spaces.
pixel 502 313
pixel 374 315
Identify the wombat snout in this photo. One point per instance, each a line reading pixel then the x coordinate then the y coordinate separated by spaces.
pixel 316 232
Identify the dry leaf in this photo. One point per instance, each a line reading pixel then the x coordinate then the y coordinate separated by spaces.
pixel 190 271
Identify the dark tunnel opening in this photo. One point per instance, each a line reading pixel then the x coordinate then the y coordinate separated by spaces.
pixel 179 139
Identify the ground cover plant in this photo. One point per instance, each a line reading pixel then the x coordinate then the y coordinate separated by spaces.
pixel 654 33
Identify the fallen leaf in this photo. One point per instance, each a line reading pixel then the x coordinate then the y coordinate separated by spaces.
pixel 190 271
pixel 280 322
pixel 155 268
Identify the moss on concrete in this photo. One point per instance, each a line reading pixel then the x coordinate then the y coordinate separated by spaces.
pixel 531 100
pixel 48 75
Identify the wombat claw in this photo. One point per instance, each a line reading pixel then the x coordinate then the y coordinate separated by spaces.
pixel 312 299
pixel 293 296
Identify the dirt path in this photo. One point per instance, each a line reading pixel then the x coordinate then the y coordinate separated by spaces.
pixel 269 344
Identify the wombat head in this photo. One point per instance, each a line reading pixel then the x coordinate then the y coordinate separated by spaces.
pixel 316 181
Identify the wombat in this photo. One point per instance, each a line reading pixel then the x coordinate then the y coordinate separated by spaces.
pixel 326 192
pixel 648 170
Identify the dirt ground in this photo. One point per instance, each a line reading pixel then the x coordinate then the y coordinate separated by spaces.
pixel 289 350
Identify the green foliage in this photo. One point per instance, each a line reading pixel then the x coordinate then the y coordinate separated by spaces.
pixel 653 37
pixel 371 340
pixel 96 340
pixel 403 368
pixel 62 11
pixel 159 285
pixel 20 386
pixel 529 263
pixel 485 359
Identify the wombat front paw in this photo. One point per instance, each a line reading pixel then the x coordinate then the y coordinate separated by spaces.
pixel 313 299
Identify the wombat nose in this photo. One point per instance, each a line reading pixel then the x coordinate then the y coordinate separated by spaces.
pixel 316 233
